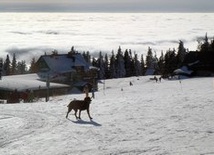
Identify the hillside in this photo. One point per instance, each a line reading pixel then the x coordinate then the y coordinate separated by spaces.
pixel 168 117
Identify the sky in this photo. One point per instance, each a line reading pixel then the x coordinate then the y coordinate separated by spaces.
pixel 107 6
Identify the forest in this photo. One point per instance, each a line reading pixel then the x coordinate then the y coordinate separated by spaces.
pixel 121 63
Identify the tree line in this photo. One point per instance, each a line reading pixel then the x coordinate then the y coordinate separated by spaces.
pixel 126 63
pixel 121 63
pixel 15 67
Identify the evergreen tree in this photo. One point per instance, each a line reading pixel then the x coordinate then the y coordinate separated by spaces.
pixel 33 66
pixel 22 67
pixel 149 58
pixel 203 45
pixel 113 66
pixel 138 71
pixel 127 62
pixel 170 62
pixel 101 66
pixel 120 66
pixel 14 65
pixel 132 64
pixel 94 63
pixel 151 62
pixel 106 67
pixel 181 53
pixel 142 64
pixel 7 66
pixel 84 56
pixel 72 50
pixel 155 64
pixel 133 71
pixel 161 65
pixel 88 57
pixel 212 45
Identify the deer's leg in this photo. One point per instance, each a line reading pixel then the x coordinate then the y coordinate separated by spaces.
pixel 75 113
pixel 79 114
pixel 89 114
pixel 69 110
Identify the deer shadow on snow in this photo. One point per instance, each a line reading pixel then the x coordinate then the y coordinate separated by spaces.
pixel 83 122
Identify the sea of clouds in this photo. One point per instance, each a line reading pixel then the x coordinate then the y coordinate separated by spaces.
pixel 33 34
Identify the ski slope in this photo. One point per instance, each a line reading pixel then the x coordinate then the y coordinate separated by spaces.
pixel 168 117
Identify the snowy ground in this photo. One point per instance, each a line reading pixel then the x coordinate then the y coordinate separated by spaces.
pixel 147 118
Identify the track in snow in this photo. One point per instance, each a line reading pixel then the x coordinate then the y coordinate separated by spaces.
pixel 16 124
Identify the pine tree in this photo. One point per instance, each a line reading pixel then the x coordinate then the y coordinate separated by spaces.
pixel 161 64
pixel 22 67
pixel 88 57
pixel 101 66
pixel 212 45
pixel 127 62
pixel 181 53
pixel 149 58
pixel 14 65
pixel 120 66
pixel 170 62
pixel 142 64
pixel 94 63
pixel 7 66
pixel 132 64
pixel 155 64
pixel 33 66
pixel 106 67
pixel 72 49
pixel 205 45
pixel 112 66
pixel 138 71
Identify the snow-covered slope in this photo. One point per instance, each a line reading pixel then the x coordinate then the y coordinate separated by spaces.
pixel 168 117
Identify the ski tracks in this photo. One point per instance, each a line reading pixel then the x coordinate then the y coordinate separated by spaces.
pixel 23 123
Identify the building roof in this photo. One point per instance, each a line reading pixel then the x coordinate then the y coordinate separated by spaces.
pixel 26 81
pixel 62 63
pixel 183 71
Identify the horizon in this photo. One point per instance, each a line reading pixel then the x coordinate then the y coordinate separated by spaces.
pixel 108 6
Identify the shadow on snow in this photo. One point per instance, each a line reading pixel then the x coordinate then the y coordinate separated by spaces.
pixel 91 122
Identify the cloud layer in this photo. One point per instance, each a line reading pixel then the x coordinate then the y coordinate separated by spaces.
pixel 29 34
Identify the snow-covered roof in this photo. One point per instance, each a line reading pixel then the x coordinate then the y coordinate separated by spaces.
pixel 62 63
pixel 183 70
pixel 23 82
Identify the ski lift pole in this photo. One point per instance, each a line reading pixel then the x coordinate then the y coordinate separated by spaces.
pixel 180 83
pixel 48 88
pixel 104 87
